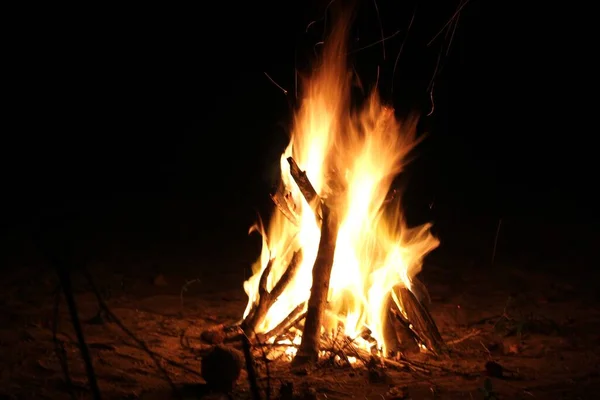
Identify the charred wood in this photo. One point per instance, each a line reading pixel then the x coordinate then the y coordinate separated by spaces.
pixel 288 322
pixel 283 204
pixel 421 321
pixel 308 352
pixel 266 298
pixel 306 188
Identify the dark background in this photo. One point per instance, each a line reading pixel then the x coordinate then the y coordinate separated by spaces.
pixel 155 130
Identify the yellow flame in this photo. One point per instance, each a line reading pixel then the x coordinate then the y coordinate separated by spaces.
pixel 362 152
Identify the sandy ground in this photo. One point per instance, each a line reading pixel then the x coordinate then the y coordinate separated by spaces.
pixel 543 329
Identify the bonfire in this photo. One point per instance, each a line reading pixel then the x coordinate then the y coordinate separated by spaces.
pixel 337 258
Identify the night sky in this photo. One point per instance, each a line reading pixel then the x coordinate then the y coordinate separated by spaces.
pixel 168 111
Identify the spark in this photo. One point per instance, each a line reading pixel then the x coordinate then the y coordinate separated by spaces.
pixel 451 29
pixel 402 46
pixel 452 35
pixel 432 108
pixel 275 83
pixel 321 43
pixel 455 15
pixel 296 83
pixel 381 29
pixel 376 43
pixel 435 72
pixel 324 18
pixel 296 74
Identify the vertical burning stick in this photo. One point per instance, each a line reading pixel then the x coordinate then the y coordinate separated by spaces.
pixel 308 353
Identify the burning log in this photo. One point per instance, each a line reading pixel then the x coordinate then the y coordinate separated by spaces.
pixel 421 321
pixel 398 332
pixel 308 352
pixel 307 189
pixel 266 299
pixel 282 203
pixel 288 322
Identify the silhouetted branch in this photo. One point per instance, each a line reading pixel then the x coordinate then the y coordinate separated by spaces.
pixel 65 282
pixel 59 348
pixel 250 368
pixel 139 342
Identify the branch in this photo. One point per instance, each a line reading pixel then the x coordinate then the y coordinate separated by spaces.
pixel 266 299
pixel 307 189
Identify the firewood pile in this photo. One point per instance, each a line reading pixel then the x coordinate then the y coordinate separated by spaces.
pixel 410 327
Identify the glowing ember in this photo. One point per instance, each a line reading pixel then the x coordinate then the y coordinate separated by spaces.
pixel 355 155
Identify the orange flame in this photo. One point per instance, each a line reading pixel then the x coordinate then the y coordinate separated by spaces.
pixel 375 251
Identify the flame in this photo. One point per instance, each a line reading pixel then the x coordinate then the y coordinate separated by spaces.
pixel 362 151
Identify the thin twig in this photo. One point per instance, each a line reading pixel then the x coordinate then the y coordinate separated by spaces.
pixel 250 368
pixel 65 281
pixel 289 321
pixel 469 335
pixel 138 341
pixel 267 369
pixel 59 347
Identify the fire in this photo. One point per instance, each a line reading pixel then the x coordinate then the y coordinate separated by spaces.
pixel 361 152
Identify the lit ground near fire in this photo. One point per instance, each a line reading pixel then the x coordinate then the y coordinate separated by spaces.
pixel 541 328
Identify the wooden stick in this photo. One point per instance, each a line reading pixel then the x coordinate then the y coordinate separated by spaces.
pixel 283 205
pixel 406 340
pixel 399 365
pixel 469 335
pixel 266 299
pixel 308 353
pixel 292 319
pixel 307 189
pixel 422 322
pixel 252 377
pixel 262 294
